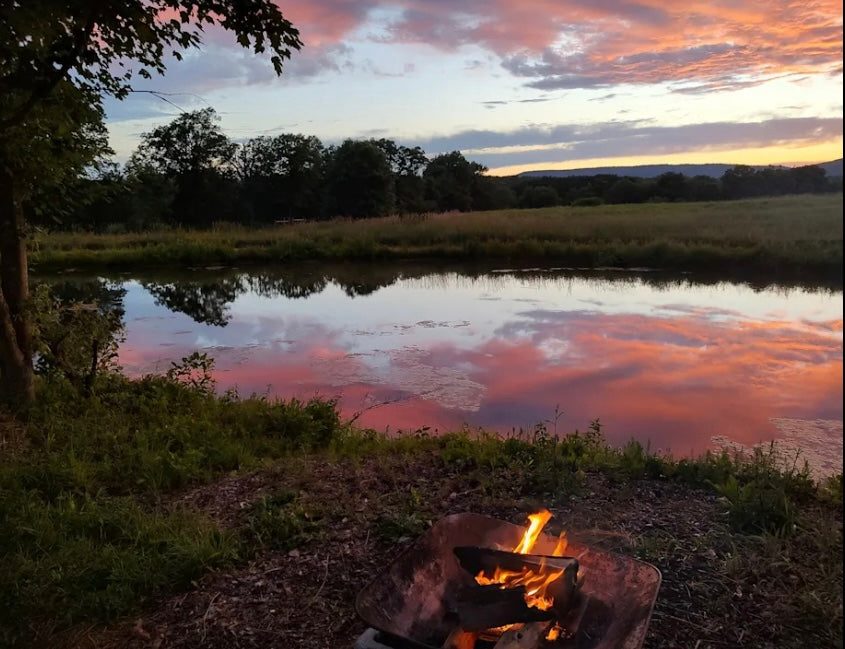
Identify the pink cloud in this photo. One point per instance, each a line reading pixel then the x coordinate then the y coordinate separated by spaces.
pixel 699 46
pixel 326 22
pixel 576 43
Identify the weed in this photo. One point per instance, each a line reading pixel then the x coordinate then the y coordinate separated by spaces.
pixel 395 526
pixel 195 371
pixel 831 490
pixel 86 558
pixel 757 506
pixel 278 522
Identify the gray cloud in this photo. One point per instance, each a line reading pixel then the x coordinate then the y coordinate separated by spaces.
pixel 617 139
pixel 187 82
pixel 493 103
pixel 535 135
pixel 609 95
pixel 221 67
pixel 144 106
pixel 555 70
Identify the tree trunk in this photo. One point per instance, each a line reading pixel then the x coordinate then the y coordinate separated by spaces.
pixel 16 346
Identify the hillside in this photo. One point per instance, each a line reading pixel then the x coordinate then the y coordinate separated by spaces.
pixel 832 168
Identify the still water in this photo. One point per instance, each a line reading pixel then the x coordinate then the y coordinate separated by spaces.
pixel 672 361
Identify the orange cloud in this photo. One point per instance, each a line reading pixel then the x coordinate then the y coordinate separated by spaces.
pixel 576 43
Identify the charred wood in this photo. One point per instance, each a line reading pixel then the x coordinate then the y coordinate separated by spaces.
pixel 475 559
pixel 485 607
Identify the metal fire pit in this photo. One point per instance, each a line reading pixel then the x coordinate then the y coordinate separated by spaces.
pixel 406 602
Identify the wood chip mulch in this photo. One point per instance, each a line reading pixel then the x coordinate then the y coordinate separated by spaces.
pixel 305 597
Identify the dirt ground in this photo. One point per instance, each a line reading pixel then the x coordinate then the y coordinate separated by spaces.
pixel 712 595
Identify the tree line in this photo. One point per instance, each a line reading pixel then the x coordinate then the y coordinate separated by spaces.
pixel 741 181
pixel 189 173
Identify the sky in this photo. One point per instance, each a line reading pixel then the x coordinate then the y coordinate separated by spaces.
pixel 520 85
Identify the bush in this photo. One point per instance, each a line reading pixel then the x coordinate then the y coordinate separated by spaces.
pixel 589 201
pixel 758 506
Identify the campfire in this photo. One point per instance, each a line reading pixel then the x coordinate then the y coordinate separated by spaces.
pixel 517 595
pixel 474 582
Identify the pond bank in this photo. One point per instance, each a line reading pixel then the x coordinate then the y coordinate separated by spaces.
pixel 228 522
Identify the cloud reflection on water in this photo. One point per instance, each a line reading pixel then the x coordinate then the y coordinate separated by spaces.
pixel 671 369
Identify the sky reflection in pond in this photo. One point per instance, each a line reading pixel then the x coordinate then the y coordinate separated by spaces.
pixel 672 364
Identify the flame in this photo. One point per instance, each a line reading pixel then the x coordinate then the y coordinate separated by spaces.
pixel 536 523
pixel 536 583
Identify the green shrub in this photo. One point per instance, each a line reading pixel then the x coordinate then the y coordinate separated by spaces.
pixel 758 506
pixel 278 522
pixel 831 490
pixel 589 201
pixel 86 558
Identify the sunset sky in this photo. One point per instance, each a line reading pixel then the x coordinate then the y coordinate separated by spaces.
pixel 531 84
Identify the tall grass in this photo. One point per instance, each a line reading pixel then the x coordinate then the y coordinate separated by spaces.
pixel 803 231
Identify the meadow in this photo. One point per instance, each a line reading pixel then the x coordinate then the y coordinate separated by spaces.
pixel 795 231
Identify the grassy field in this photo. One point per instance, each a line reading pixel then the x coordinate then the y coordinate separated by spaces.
pixel 215 521
pixel 799 231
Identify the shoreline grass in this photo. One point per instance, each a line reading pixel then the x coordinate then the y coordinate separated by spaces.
pixel 804 232
pixel 96 523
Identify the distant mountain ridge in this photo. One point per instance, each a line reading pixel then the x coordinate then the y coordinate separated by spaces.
pixel 832 168
pixel 714 170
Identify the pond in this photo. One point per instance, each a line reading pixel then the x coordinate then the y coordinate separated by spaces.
pixel 680 363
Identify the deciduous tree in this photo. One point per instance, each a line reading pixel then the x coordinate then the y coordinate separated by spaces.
pixel 282 176
pixel 449 181
pixel 57 58
pixel 193 151
pixel 359 181
pixel 63 134
pixel 407 163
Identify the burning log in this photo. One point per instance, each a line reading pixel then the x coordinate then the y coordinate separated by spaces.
pixel 514 588
pixel 528 636
pixel 474 560
pixel 484 607
pixel 547 582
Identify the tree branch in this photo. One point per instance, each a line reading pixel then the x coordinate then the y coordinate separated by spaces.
pixel 43 90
